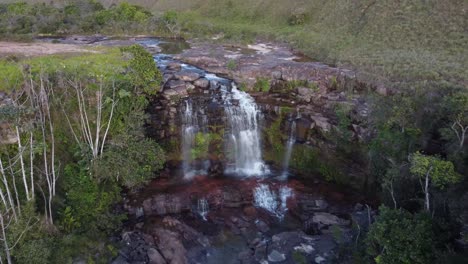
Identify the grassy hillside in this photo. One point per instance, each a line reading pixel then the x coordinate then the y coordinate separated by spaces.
pixel 399 41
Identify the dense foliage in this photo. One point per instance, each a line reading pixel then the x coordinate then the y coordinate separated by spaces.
pixel 80 125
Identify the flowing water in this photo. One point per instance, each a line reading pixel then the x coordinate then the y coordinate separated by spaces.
pixel 274 202
pixel 244 137
pixel 289 146
pixel 191 125
pixel 202 208
pixel 242 132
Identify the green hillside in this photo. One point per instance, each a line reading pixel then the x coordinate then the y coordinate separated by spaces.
pixel 396 41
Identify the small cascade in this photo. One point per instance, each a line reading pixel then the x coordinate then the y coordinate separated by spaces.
pixel 244 135
pixel 190 128
pixel 275 203
pixel 289 146
pixel 202 208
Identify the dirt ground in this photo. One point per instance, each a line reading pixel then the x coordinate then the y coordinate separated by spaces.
pixel 38 48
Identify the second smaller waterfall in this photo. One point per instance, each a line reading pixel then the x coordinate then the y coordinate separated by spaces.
pixel 274 202
pixel 202 208
pixel 289 147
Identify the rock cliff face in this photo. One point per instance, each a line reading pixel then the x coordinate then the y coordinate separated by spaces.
pixel 327 104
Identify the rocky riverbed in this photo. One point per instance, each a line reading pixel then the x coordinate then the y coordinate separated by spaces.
pixel 228 220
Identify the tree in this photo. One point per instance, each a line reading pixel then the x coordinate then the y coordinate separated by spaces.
pixel 137 161
pixel 398 237
pixel 456 107
pixel 434 171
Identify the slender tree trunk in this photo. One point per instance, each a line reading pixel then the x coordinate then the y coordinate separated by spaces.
pixel 31 160
pixel 23 169
pixel 392 193
pixel 5 242
pixel 7 188
pixel 426 191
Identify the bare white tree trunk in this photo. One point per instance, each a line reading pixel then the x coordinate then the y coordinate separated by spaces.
pixel 31 160
pixel 5 241
pixel 456 126
pixel 426 191
pixel 7 188
pixel 23 169
pixel 95 141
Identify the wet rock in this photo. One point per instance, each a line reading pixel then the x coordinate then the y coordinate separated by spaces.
pixel 302 129
pixel 202 83
pixel 174 84
pixel 276 256
pixel 304 248
pixel 174 66
pixel 319 259
pixel 187 76
pixel 262 226
pixel 167 77
pixel 155 257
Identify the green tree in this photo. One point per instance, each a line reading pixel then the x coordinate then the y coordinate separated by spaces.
pixel 143 70
pixel 434 171
pixel 456 108
pixel 130 162
pixel 398 237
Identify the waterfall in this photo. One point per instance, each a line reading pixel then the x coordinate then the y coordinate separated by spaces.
pixel 289 147
pixel 190 127
pixel 202 208
pixel 275 203
pixel 244 135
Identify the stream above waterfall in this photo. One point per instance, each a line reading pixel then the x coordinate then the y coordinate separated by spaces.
pixel 218 200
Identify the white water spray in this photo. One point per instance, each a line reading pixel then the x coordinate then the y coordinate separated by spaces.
pixel 275 203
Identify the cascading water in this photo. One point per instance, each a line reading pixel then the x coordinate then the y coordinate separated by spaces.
pixel 275 203
pixel 190 128
pixel 244 135
pixel 202 208
pixel 289 146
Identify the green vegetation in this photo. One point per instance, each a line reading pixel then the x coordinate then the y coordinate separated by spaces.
pixel 81 117
pixel 261 85
pixel 400 237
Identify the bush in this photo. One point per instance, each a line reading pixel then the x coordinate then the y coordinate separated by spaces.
pixel 130 162
pixel 143 70
pixel 397 237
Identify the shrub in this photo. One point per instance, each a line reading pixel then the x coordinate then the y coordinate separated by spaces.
pixel 397 236
pixel 262 85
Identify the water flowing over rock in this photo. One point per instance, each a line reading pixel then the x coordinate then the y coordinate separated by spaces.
pixel 191 125
pixel 274 202
pixel 289 147
pixel 244 137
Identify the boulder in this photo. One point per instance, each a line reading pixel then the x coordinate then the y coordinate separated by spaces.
pixel 276 256
pixel 324 218
pixel 187 76
pixel 321 122
pixel 155 257
pixel 174 66
pixel 202 83
pixel 173 84
pixel 170 247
